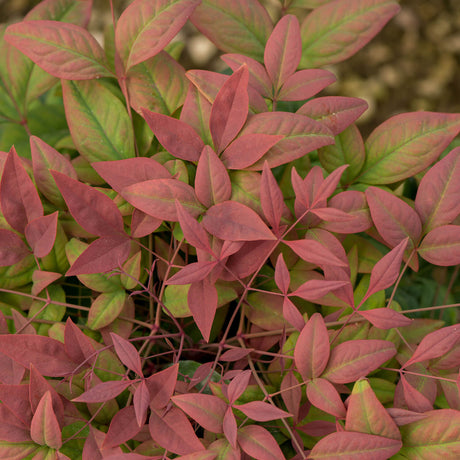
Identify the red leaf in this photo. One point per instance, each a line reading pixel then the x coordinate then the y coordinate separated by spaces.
pixel 123 427
pixel 212 182
pixel 44 159
pixel 348 445
pixel 161 386
pixel 123 173
pixel 12 248
pixel 354 359
pixel 283 50
pixel 247 149
pixel 63 50
pixel 229 427
pixel 177 137
pixel 46 354
pixel 436 344
pixel 315 289
pixel 15 402
pixel 271 198
pixel 235 222
pixel 314 252
pixel 282 278
pixel 157 198
pixel 438 195
pixel 207 410
pixel 257 442
pixel 403 416
pixel 173 432
pixel 145 28
pixel 235 354
pixel 312 349
pixel 41 234
pixel 102 255
pixel 415 400
pixel 77 345
pixel 386 270
pixel 385 318
pixel 19 198
pixel 11 428
pixel 104 391
pixel 202 301
pixel 262 411
pixel 194 233
pixel 127 353
pixel 192 273
pixel 292 315
pixel 304 84
pixel 442 246
pixel 323 395
pixel 141 403
pixel 291 394
pixel 336 112
pixel 230 109
pixel 329 185
pixel 92 209
pixel 393 218
pixel 237 386
pixel 142 224
pixel 44 428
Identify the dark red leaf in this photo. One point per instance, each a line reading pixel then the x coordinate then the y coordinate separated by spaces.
pixel 192 273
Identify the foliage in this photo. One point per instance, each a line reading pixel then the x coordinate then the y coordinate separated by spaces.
pixel 189 271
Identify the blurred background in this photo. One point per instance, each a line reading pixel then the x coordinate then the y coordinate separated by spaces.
pixel 413 64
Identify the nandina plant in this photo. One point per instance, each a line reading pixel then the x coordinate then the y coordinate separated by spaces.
pixel 218 266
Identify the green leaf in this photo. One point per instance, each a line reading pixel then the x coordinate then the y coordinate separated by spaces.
pixel 98 121
pixel 17 449
pixel 106 308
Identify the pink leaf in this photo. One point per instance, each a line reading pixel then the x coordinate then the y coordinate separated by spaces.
pixel 123 427
pixel 174 432
pixel 11 429
pixel 282 278
pixel 207 410
pixel 141 403
pixel 102 255
pixel 19 198
pixel 142 224
pixel 247 149
pixel 315 289
pixel 292 315
pixel 237 386
pixel 235 222
pixel 403 416
pixel 314 252
pixel 41 234
pixel 192 273
pixel 42 279
pixel 442 246
pixel 354 359
pixel 385 318
pixel 64 50
pixel 212 182
pixel 127 353
pixel 202 301
pixel 145 28
pixel 229 427
pixel 304 84
pixel 123 173
pixel 393 218
pixel 46 354
pixel 104 391
pixel 329 185
pixel 12 248
pixel 93 210
pixel 386 270
pixel 77 345
pixel 235 354
pixel 415 400
pixel 230 109
pixel 177 137
pixel 194 233
pixel 323 395
pixel 312 349
pixel 161 386
pixel 157 198
pixel 62 10
pixel 257 442
pixel 438 195
pixel 271 198
pixel 44 159
pixel 44 428
pixel 355 446
pixel 283 50
pixel 262 411
pixel 435 344
pixel 336 112
pixel 291 394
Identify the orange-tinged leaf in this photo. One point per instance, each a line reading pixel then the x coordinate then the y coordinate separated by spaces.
pixel 366 414
pixel 44 428
pixel 406 144
pixel 356 358
pixel 323 395
pixel 442 246
pixel 64 50
pixel 354 446
pixel 337 30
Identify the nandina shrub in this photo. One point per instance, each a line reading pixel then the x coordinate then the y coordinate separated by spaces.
pixel 218 266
